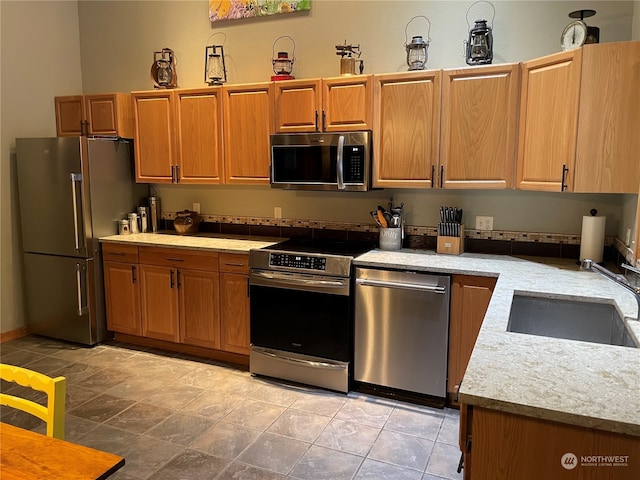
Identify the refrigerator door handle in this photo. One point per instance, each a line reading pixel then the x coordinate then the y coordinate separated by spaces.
pixel 82 309
pixel 75 178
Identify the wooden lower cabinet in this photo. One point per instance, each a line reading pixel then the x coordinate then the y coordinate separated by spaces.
pixel 122 288
pixel 198 300
pixel 159 302
pixel 470 296
pixel 234 303
pixel 506 446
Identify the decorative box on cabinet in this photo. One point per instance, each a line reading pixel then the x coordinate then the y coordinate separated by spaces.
pixel 108 114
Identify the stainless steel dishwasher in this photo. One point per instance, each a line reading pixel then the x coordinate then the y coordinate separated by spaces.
pixel 402 330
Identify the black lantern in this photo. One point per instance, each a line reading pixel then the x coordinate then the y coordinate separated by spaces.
pixel 417 49
pixel 479 46
pixel 282 64
pixel 163 69
pixel 215 72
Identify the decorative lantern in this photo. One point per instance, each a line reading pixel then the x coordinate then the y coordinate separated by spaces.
pixel 215 72
pixel 347 61
pixel 417 50
pixel 479 46
pixel 282 64
pixel 163 69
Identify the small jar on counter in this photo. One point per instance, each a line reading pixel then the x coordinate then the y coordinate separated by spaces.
pixel 124 227
pixel 133 223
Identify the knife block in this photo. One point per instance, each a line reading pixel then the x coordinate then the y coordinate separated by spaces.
pixel 451 245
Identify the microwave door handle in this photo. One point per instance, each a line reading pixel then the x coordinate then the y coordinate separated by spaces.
pixel 340 166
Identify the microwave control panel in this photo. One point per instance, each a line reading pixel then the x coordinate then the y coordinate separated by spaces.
pixel 290 260
pixel 354 164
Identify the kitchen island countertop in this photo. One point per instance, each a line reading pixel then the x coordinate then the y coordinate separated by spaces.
pixel 209 241
pixel 579 383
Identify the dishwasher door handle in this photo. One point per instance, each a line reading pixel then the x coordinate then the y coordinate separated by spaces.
pixel 402 286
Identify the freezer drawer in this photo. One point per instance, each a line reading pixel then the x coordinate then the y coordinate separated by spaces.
pixel 401 330
pixel 62 299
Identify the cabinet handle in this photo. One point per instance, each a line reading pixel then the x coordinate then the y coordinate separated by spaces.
pixel 84 127
pixel 234 264
pixel 316 123
pixel 172 259
pixel 178 275
pixel 565 170
pixel 171 281
pixel 441 175
pixel 133 274
pixel 117 254
pixel 433 172
pixel 177 173
pixel 324 120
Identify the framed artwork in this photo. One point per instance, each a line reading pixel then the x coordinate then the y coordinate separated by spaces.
pixel 233 9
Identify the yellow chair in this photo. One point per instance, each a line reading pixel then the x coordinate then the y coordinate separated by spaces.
pixel 55 388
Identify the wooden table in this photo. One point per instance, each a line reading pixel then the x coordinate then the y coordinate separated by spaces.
pixel 26 455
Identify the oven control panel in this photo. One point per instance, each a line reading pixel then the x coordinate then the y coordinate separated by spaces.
pixel 290 260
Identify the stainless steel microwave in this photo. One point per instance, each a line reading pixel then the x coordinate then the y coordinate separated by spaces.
pixel 321 161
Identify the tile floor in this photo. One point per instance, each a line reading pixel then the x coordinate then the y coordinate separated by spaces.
pixel 175 417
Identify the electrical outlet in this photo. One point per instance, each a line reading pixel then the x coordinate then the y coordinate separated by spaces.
pixel 277 212
pixel 484 223
pixel 196 207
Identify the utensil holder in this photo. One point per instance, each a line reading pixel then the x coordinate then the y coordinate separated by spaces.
pixel 391 238
pixel 451 245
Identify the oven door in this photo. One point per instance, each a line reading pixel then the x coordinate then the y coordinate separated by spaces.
pixel 303 314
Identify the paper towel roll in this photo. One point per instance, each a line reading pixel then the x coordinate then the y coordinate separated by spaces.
pixel 592 240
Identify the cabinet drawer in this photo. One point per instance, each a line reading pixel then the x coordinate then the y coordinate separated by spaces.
pixel 119 252
pixel 179 258
pixel 234 263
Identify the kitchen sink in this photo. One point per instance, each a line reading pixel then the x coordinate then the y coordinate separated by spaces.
pixel 570 319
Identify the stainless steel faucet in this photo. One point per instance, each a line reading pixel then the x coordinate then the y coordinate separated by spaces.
pixel 621 280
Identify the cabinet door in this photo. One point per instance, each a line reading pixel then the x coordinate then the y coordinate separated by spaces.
pixel 298 104
pixel 608 146
pixel 407 127
pixel 548 122
pixel 248 122
pixel 478 129
pixel 199 135
pixel 109 114
pixel 234 302
pixel 122 297
pixel 470 298
pixel 199 308
pixel 154 136
pixel 159 302
pixel 69 115
pixel 347 103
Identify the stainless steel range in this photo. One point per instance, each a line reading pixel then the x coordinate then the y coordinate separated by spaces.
pixel 302 312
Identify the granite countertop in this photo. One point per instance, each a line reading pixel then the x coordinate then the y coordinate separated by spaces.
pixel 201 241
pixel 579 383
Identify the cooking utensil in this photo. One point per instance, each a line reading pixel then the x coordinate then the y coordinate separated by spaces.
pixel 382 219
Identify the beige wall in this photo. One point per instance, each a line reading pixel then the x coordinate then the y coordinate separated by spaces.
pixel 97 46
pixel 636 21
pixel 40 58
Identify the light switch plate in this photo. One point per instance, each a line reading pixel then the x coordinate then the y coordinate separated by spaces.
pixel 484 223
pixel 277 212
pixel 196 207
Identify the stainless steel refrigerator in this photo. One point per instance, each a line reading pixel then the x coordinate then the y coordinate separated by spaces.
pixel 72 191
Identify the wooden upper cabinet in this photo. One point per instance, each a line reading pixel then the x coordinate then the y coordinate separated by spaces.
pixel 549 122
pixel 479 126
pixel 608 144
pixel 154 141
pixel 69 115
pixel 108 114
pixel 347 103
pixel 199 135
pixel 406 130
pixel 298 105
pixel 248 122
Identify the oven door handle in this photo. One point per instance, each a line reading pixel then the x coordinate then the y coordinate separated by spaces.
pixel 288 280
pixel 402 285
pixel 308 363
